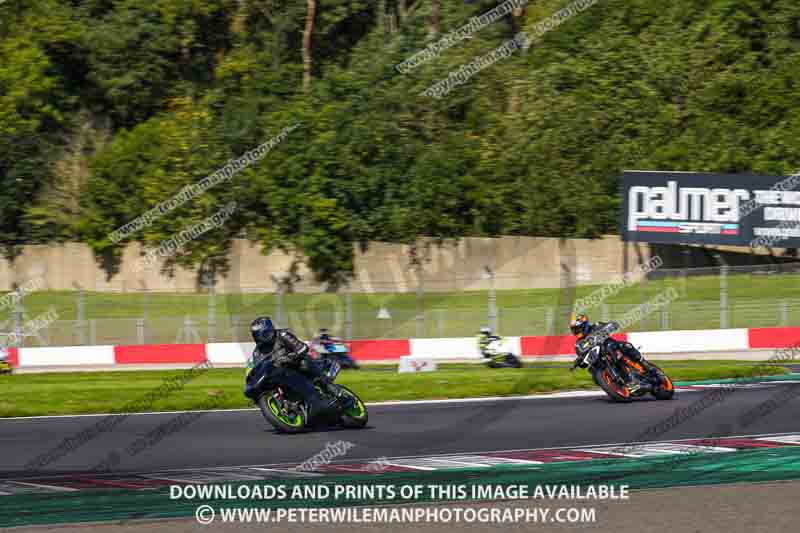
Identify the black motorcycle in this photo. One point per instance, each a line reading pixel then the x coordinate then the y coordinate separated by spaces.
pixel 292 402
pixel 610 372
pixel 504 360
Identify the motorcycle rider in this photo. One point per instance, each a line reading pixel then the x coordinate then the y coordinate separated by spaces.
pixel 323 335
pixel 5 366
pixel 285 349
pixel 589 335
pixel 485 339
pixel 319 341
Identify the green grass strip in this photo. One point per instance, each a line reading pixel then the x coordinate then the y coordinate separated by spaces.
pixel 109 392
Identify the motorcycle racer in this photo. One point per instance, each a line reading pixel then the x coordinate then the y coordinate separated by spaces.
pixel 324 335
pixel 485 340
pixel 589 335
pixel 293 391
pixel 5 366
pixel 490 347
pixel 282 346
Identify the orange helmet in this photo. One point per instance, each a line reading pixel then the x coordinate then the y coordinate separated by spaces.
pixel 579 325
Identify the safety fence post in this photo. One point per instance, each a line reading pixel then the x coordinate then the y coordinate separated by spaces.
pixel 723 297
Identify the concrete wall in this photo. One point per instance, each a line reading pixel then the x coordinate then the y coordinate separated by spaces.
pixel 518 263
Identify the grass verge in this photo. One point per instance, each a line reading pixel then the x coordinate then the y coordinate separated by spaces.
pixel 110 392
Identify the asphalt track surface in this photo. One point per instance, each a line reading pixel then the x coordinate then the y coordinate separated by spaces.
pixel 235 438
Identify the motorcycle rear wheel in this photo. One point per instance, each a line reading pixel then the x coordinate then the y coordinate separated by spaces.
pixel 279 418
pixel 506 361
pixel 514 361
pixel 665 390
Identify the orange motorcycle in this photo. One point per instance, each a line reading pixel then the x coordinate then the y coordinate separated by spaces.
pixel 622 377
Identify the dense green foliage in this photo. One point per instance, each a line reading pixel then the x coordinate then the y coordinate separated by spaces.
pixel 108 107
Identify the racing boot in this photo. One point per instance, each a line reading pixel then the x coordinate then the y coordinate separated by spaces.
pixel 630 383
pixel 653 376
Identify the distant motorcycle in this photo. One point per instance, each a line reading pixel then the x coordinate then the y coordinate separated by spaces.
pixel 498 358
pixel 608 371
pixel 335 350
pixel 293 402
pixel 5 366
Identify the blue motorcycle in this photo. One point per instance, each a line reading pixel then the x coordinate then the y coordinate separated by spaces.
pixel 334 350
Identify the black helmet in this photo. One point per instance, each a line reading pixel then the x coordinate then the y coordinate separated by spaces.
pixel 263 332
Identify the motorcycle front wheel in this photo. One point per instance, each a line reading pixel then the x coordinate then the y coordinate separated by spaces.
pixel 355 415
pixel 280 418
pixel 614 390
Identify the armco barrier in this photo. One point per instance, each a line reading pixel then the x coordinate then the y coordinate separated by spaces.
pixel 457 348
pixel 701 340
pixel 553 345
pixel 548 345
pixel 229 353
pixel 67 356
pixel 233 353
pixel 380 350
pixel 725 342
pixel 143 354
pixel 13 356
pixel 773 337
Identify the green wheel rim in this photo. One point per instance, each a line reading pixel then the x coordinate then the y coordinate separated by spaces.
pixel 294 421
pixel 357 410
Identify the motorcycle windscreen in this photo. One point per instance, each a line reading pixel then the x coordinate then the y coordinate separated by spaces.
pixel 337 348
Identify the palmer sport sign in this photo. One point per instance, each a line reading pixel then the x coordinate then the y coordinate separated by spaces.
pixel 721 209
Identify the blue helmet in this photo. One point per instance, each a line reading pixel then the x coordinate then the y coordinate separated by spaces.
pixel 579 325
pixel 263 331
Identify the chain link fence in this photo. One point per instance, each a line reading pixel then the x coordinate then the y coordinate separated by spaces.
pixel 710 298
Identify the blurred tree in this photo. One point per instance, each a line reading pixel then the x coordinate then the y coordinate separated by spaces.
pixel 308 35
pixel 121 104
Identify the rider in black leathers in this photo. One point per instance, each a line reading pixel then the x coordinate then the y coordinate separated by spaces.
pixel 323 335
pixel 285 349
